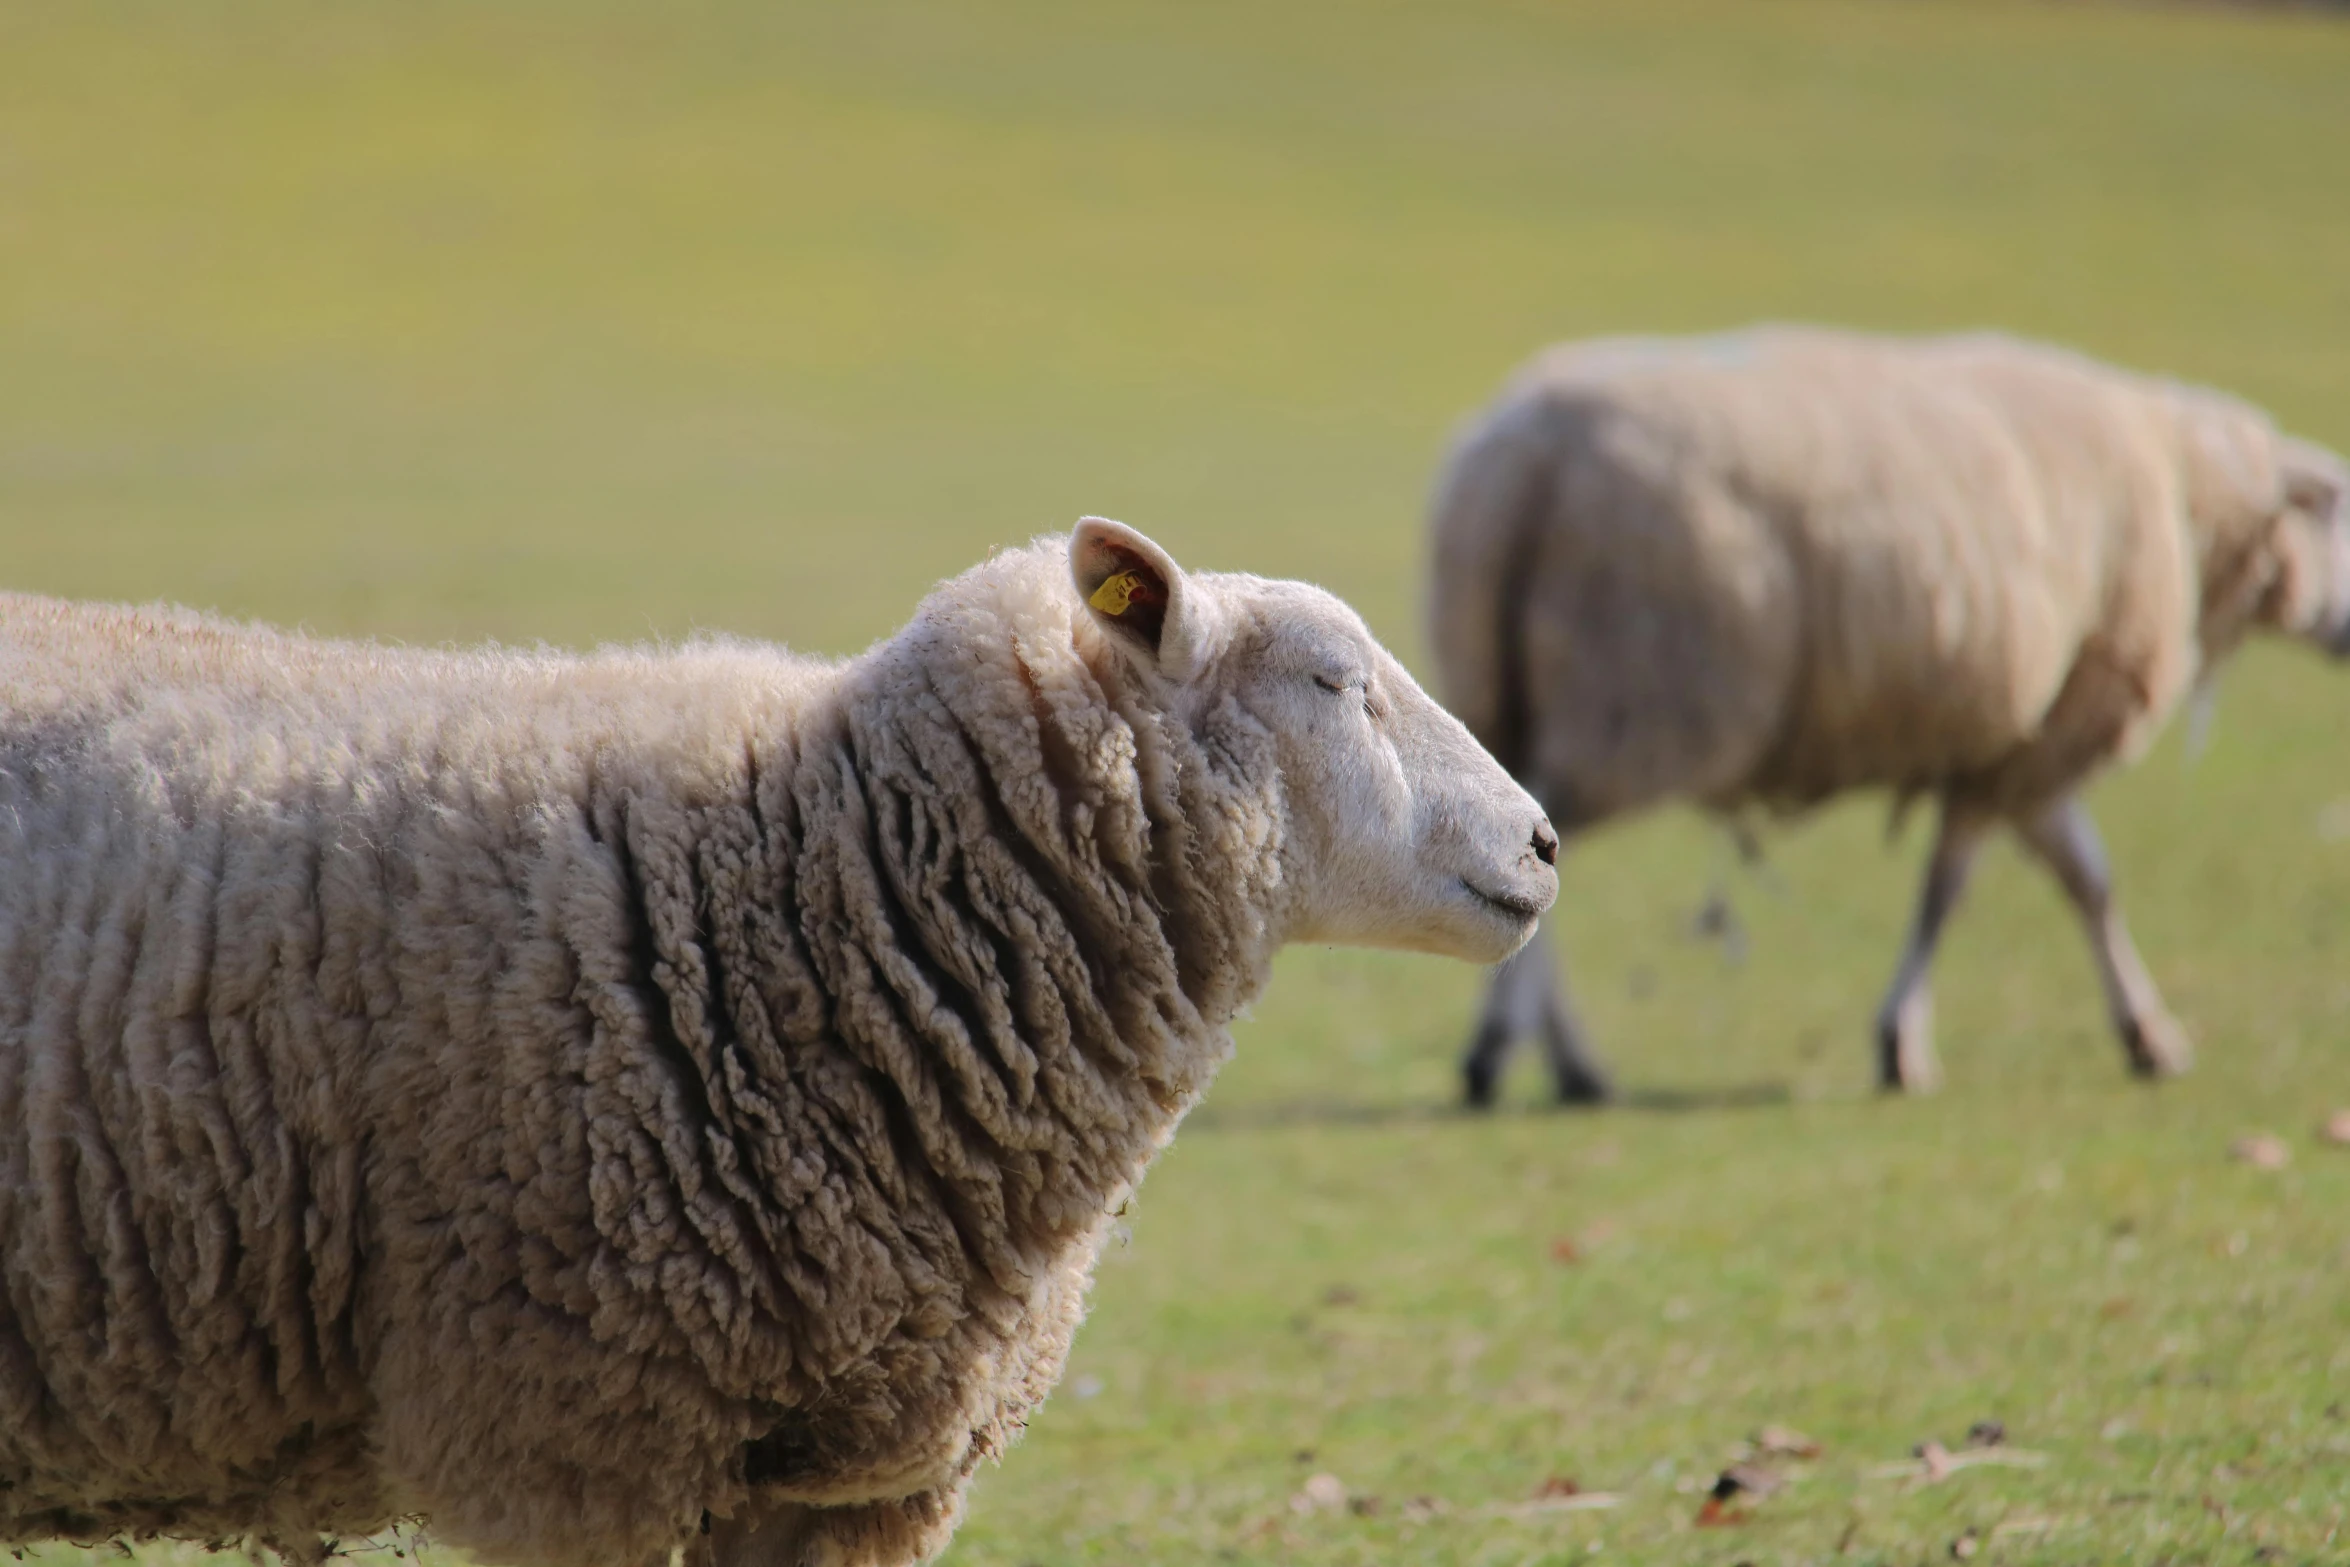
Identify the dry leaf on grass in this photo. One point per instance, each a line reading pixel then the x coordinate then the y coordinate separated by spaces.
pixel 1784 1442
pixel 1986 1433
pixel 1752 1479
pixel 2335 1129
pixel 1322 1493
pixel 1738 1480
pixel 2261 1151
pixel 1716 1515
pixel 1557 1485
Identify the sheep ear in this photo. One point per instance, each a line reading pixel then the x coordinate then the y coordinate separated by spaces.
pixel 1137 594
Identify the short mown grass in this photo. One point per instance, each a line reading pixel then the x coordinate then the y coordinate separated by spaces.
pixel 586 321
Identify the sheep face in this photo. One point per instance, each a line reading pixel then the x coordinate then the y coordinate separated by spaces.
pixel 2311 595
pixel 1400 830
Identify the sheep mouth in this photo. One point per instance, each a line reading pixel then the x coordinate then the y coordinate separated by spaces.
pixel 1521 907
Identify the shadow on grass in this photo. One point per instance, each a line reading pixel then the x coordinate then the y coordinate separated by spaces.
pixel 1339 1112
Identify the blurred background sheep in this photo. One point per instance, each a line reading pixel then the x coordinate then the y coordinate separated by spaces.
pixel 1764 568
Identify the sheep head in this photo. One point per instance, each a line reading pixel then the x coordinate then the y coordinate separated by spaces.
pixel 2310 593
pixel 1401 831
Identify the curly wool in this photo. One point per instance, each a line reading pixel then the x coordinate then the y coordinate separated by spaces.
pixel 558 1095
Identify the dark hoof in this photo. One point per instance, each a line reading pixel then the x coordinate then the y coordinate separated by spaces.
pixel 2157 1048
pixel 1477 1086
pixel 1586 1091
pixel 1905 1059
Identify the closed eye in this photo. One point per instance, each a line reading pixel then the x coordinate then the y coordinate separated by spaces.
pixel 1339 687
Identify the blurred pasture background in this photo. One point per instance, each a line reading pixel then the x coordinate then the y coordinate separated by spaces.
pixel 586 321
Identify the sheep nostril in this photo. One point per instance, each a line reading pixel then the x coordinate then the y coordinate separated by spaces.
pixel 1546 844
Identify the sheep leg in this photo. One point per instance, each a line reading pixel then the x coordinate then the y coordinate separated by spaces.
pixel 1497 1031
pixel 1527 997
pixel 2066 841
pixel 1905 1023
pixel 1574 1071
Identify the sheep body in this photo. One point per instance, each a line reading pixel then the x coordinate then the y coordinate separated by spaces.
pixel 576 1098
pixel 1778 565
pixel 1768 567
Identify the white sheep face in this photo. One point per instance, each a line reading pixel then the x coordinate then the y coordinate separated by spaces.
pixel 2313 543
pixel 1402 831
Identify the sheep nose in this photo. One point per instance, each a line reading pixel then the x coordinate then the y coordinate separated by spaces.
pixel 1546 844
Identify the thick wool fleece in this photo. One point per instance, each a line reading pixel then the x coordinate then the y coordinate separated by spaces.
pixel 1778 564
pixel 554 1095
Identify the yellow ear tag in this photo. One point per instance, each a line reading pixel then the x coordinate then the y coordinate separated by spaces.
pixel 1115 593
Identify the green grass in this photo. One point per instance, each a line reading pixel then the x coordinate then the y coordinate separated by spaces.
pixel 587 321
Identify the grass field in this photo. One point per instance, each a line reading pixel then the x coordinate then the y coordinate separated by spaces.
pixel 584 321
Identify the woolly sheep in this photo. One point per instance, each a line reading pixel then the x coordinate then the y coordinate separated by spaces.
pixel 658 1098
pixel 1762 568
